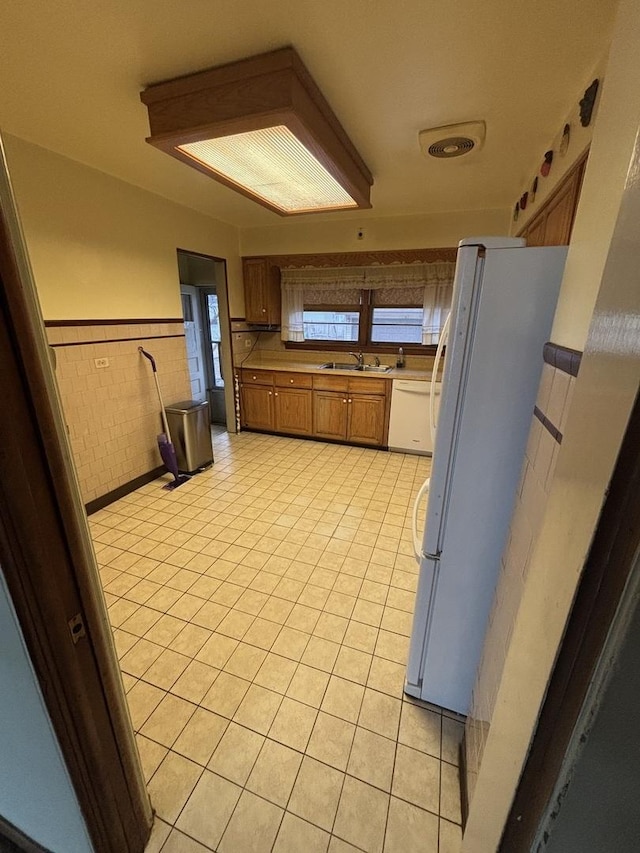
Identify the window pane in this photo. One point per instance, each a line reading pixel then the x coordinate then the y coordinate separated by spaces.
pixel 331 325
pixel 397 326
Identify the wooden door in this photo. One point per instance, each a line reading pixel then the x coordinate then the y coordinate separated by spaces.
pixel 330 412
pixel 254 273
pixel 194 341
pixel 366 419
pixel 257 407
pixel 292 411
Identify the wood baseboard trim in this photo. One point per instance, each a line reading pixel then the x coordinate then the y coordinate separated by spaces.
pixel 129 321
pixel 464 793
pixel 124 489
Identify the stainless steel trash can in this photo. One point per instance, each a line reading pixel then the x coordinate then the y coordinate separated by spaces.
pixel 190 427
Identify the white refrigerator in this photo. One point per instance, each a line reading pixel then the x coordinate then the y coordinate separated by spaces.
pixel 504 299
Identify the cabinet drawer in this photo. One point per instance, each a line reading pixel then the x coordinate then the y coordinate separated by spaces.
pixel 293 380
pixel 257 377
pixel 358 385
pixel 330 383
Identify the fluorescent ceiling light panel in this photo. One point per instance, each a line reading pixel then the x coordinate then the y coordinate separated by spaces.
pixel 275 166
pixel 262 127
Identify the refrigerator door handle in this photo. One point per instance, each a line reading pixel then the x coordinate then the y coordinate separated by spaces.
pixel 435 556
pixel 417 550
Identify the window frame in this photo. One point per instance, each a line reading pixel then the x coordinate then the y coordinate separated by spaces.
pixel 365 310
pixel 352 309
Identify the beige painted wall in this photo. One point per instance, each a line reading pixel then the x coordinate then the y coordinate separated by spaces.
pixel 104 249
pixel 613 140
pixel 598 312
pixel 579 141
pixel 397 232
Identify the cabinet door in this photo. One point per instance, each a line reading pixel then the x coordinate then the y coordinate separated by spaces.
pixel 366 419
pixel 261 291
pixel 535 232
pixel 257 407
pixel 293 411
pixel 560 214
pixel 330 415
pixel 273 296
pixel 254 273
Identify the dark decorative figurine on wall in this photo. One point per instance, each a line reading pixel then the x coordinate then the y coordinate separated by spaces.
pixel 587 103
pixel 564 142
pixel 524 198
pixel 533 190
pixel 516 211
pixel 546 165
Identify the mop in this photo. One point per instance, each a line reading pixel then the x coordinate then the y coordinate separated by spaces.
pixel 166 448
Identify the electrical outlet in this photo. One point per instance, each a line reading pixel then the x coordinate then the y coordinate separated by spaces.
pixel 247 343
pixel 101 362
pixel 360 234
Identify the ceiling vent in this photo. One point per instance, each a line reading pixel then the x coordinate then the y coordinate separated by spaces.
pixel 452 140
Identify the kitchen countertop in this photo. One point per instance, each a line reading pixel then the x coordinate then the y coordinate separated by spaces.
pixel 311 367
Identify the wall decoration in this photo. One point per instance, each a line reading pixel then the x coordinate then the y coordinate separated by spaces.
pixel 564 142
pixel 516 211
pixel 524 198
pixel 534 189
pixel 546 165
pixel 587 103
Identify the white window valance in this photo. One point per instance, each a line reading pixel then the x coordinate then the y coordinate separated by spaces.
pixel 339 285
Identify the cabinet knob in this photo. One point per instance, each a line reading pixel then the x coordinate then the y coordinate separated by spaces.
pixel 344 401
pixel 269 393
pixel 253 377
pixel 291 381
pixel 264 310
pixel 349 401
pixel 276 394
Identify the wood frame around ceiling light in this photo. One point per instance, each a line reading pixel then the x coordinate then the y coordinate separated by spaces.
pixel 263 91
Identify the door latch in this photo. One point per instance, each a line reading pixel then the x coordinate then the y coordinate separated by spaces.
pixel 76 627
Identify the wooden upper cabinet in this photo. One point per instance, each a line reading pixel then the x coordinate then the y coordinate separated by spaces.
pixel 261 291
pixel 553 223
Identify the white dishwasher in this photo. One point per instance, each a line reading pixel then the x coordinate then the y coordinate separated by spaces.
pixel 409 420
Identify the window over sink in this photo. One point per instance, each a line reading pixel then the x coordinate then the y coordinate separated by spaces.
pixel 378 307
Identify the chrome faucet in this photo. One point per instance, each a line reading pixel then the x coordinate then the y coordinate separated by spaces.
pixel 359 358
pixel 376 361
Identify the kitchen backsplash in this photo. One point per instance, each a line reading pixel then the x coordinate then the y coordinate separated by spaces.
pixel 112 412
pixel 270 346
pixel 545 436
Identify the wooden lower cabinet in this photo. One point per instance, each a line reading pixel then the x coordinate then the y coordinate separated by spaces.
pixel 366 418
pixel 337 415
pixel 293 411
pixel 257 407
pixel 330 415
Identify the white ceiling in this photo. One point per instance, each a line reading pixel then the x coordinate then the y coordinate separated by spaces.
pixel 71 72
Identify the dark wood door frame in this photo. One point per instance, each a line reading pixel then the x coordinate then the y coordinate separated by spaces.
pixel 50 568
pixel 609 564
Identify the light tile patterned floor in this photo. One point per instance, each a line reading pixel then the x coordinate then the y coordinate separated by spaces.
pixel 261 613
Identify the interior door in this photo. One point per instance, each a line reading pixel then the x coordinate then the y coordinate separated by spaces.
pixel 194 341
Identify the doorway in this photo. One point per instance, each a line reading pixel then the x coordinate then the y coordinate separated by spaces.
pixel 203 291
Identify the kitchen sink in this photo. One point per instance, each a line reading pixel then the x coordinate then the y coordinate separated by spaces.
pixel 367 368
pixel 336 365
